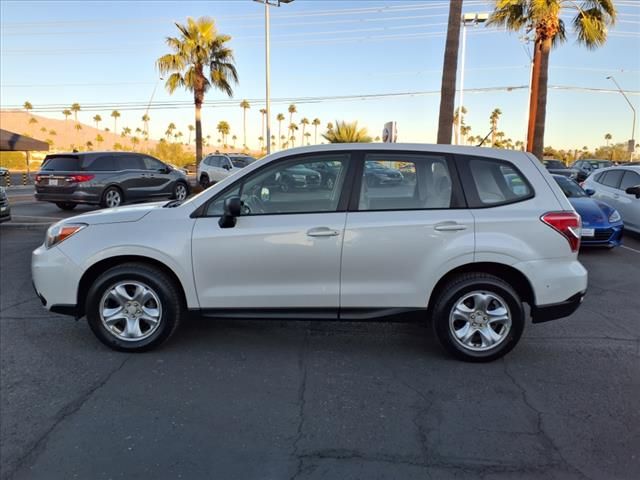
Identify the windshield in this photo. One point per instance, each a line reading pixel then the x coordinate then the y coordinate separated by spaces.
pixel 553 164
pixel 599 163
pixel 570 188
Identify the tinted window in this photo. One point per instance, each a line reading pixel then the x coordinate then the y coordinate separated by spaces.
pixel 214 161
pixel 290 187
pixel 129 162
pixel 241 162
pixel 65 163
pixel 152 164
pixel 570 188
pixel 497 182
pixel 553 164
pixel 224 161
pixel 595 164
pixel 102 163
pixel 612 178
pixel 630 179
pixel 405 182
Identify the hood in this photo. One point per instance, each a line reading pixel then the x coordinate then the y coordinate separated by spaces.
pixel 130 213
pixel 592 212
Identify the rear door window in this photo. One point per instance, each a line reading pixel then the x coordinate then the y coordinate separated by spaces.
pixel 63 163
pixel 491 182
pixel 101 163
pixel 130 162
pixel 152 164
pixel 612 178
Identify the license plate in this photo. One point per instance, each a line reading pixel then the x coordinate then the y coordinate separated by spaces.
pixel 2 209
pixel 588 232
pixel 53 182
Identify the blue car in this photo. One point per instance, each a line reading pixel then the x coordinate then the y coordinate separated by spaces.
pixel 601 224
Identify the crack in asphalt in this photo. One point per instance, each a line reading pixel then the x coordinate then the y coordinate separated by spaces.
pixel 302 366
pixel 539 422
pixel 67 411
pixel 22 302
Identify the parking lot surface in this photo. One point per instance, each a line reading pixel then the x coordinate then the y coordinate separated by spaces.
pixel 311 400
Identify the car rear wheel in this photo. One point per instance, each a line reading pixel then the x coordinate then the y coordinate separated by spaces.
pixel 180 191
pixel 111 198
pixel 478 317
pixel 204 181
pixel 66 205
pixel 134 307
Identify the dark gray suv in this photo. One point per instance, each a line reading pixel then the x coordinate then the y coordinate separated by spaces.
pixel 107 179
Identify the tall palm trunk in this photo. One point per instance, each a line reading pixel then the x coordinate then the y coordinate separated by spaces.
pixel 198 101
pixel 540 114
pixel 449 72
pixel 315 134
pixel 244 128
pixel 280 132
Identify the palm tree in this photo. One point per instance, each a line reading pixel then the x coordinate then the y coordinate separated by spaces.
pixel 308 136
pixel 292 128
pixel 282 141
pixel 115 115
pixel 261 142
pixel 280 119
pixel 28 107
pixel 199 47
pixel 464 131
pixel 304 122
pixel 329 126
pixel 292 109
pixel 449 73
pixel 67 113
pixel 456 121
pixel 99 139
pixel 234 138
pixel 316 124
pixel 135 140
pixel 519 144
pixel 493 121
pixel 191 128
pixel 125 132
pixel 544 18
pixel 169 131
pixel 78 127
pixel 347 132
pixel 89 144
pixel 263 115
pixel 608 138
pixel 224 129
pixel 244 105
pixel 75 108
pixel 145 120
pixel 97 119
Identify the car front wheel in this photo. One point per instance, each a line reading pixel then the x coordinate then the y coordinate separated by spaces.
pixel 133 307
pixel 180 191
pixel 111 198
pixel 66 205
pixel 478 317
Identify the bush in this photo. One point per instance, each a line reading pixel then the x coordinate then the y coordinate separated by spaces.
pixel 173 153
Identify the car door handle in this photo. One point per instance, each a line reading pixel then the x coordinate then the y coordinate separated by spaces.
pixel 449 227
pixel 322 232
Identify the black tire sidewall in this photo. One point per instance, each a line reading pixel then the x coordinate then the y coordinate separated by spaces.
pixel 452 295
pixel 66 205
pixel 160 283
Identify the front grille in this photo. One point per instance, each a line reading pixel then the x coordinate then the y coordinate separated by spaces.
pixel 602 234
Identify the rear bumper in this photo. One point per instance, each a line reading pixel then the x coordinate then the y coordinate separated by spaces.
pixel 546 313
pixel 74 197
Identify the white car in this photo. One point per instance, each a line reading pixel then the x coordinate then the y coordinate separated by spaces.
pixel 218 166
pixel 618 187
pixel 466 239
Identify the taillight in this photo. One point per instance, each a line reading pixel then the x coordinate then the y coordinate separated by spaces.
pixel 38 178
pixel 79 178
pixel 568 224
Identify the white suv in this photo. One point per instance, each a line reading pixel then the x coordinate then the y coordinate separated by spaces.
pixel 218 166
pixel 465 238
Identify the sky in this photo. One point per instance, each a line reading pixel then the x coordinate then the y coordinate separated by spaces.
pixel 102 55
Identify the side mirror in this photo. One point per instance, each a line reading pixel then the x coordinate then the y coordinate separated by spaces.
pixel 232 209
pixel 590 191
pixel 633 191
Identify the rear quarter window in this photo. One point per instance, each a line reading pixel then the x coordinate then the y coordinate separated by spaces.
pixel 611 178
pixel 490 182
pixel 102 163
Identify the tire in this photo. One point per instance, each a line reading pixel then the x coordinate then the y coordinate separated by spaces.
pixel 66 205
pixel 476 342
pixel 204 181
pixel 111 198
pixel 121 334
pixel 180 191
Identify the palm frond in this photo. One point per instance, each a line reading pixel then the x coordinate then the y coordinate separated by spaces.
pixel 510 14
pixel 174 81
pixel 590 27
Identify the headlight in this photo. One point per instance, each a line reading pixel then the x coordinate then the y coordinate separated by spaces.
pixel 614 217
pixel 59 232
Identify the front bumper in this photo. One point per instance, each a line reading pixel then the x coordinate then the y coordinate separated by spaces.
pixel 546 313
pixel 610 236
pixel 55 279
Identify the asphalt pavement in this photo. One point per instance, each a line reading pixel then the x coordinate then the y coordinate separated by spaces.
pixel 310 400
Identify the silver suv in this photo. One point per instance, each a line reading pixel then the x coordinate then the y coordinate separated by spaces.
pixel 218 166
pixel 107 179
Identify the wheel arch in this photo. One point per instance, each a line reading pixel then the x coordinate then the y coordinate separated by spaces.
pixel 94 271
pixel 511 275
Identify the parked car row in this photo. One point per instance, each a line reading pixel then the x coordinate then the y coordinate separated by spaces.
pixel 5 208
pixel 108 179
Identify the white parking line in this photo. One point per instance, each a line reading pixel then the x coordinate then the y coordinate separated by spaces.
pixel 629 248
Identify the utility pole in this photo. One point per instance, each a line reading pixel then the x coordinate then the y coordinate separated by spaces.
pixel 267 62
pixel 632 143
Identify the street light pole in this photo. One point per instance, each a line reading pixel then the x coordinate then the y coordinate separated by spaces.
pixel 267 61
pixel 632 142
pixel 473 19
